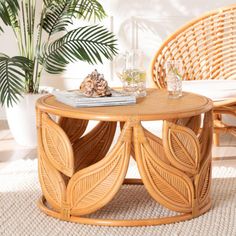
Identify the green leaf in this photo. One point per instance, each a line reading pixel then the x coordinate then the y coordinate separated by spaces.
pixel 60 14
pixel 12 76
pixel 24 63
pixel 9 12
pixel 88 9
pixel 88 44
pixel 48 3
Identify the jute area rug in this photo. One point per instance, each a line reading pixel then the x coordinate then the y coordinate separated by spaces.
pixel 19 191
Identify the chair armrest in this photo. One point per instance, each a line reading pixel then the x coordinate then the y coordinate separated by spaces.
pixel 227 102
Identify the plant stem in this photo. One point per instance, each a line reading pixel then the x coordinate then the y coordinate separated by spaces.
pixel 28 15
pixel 17 32
pixel 24 25
pixel 32 20
pixel 37 74
pixel 29 34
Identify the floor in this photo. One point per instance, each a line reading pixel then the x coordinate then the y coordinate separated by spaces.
pixel 9 149
pixel 225 155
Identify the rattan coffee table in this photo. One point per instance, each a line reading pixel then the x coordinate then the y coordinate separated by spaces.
pixel 79 174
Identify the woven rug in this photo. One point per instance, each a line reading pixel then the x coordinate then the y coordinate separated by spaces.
pixel 19 191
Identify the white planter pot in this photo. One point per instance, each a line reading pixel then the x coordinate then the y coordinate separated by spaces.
pixel 22 120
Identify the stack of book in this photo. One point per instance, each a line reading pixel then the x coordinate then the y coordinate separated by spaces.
pixel 78 99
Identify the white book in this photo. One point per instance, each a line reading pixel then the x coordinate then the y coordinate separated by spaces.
pixel 78 99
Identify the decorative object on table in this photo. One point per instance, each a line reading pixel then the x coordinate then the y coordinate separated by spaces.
pixel 52 50
pixel 78 99
pixel 129 68
pixel 94 91
pixel 174 78
pixel 95 85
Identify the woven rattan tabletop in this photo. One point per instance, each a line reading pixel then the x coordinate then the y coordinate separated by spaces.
pixel 155 106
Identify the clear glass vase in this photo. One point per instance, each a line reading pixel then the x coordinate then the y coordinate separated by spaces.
pixel 129 68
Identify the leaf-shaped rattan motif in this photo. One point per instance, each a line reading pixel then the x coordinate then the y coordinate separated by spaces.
pixel 74 128
pixel 156 145
pixel 93 187
pixel 193 123
pixel 182 147
pixel 94 146
pixel 167 185
pixel 204 183
pixel 57 146
pixel 52 183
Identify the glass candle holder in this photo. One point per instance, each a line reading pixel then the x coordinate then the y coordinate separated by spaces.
pixel 174 78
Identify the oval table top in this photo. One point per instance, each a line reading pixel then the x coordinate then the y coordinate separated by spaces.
pixel 155 106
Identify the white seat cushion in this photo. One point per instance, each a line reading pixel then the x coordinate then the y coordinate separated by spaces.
pixel 214 89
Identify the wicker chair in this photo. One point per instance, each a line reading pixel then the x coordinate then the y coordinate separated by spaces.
pixel 207 48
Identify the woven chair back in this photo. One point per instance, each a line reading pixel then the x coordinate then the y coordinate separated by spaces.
pixel 206 46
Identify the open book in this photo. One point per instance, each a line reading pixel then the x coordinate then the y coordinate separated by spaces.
pixel 78 99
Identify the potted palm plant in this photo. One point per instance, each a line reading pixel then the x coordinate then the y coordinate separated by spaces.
pixel 46 45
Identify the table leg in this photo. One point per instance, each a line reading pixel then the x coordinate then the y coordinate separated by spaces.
pixel 132 143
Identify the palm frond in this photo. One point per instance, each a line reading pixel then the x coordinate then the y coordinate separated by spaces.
pixel 59 14
pixel 24 63
pixel 88 44
pixel 48 3
pixel 88 9
pixel 9 12
pixel 12 76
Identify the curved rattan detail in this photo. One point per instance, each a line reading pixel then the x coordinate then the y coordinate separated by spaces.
pixel 161 178
pixel 206 46
pixel 92 147
pixel 93 187
pixel 182 147
pixel 203 183
pixel 52 182
pixel 74 128
pixel 194 123
pixel 57 146
pixel 156 144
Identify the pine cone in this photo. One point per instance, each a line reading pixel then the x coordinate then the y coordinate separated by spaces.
pixel 94 85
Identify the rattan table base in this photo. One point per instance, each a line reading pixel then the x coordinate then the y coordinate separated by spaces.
pixel 79 174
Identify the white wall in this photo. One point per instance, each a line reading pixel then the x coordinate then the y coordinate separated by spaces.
pixel 137 23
